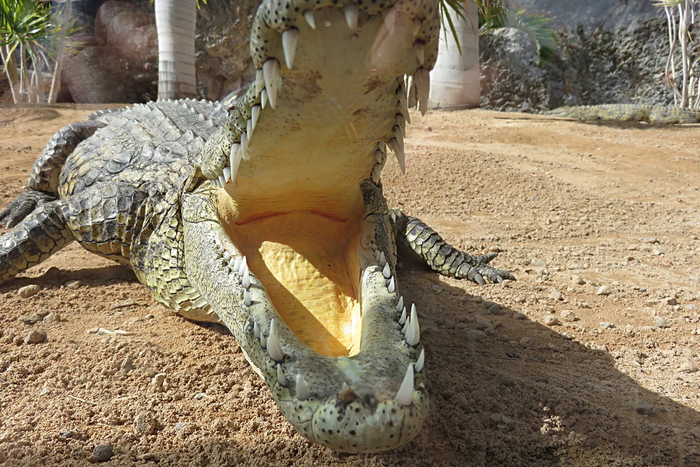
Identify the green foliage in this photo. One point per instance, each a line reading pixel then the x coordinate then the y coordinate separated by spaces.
pixel 23 23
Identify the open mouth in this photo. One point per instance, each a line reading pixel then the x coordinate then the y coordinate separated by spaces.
pixel 303 250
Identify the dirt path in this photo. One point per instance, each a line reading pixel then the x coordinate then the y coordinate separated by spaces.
pixel 572 206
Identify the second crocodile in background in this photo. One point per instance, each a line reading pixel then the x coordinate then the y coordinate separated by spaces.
pixel 266 212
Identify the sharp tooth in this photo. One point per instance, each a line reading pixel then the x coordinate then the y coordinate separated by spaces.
pixel 234 160
pixel 420 52
pixel 417 23
pixel 271 72
pixel 274 348
pixel 403 107
pixel 402 320
pixel 227 174
pixel 222 181
pixel 246 278
pixel 387 271
pixel 309 17
pixel 232 263
pixel 351 15
pixel 412 101
pixel 289 44
pixel 382 146
pixel 413 331
pixel 259 82
pixel 405 325
pixel 398 151
pixel 281 379
pixel 401 121
pixel 400 304
pixel 392 286
pixel 256 330
pixel 421 361
pixel 255 115
pixel 243 266
pixel 382 259
pixel 405 394
pixel 249 129
pixel 263 98
pixel 303 392
pixel 244 146
pixel 236 263
pixel 422 79
pixel 227 255
pixel 376 173
pixel 378 155
pixel 246 298
pixel 377 255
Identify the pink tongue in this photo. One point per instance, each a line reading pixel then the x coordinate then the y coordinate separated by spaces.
pixel 392 51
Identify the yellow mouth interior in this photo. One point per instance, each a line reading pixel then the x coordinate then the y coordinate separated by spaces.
pixel 308 263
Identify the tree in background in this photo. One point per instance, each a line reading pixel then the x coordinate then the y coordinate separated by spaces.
pixel 175 22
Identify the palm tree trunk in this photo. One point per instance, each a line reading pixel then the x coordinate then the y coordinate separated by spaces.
pixel 175 21
pixel 56 80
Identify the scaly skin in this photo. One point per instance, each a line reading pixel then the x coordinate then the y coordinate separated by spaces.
pixel 268 208
pixel 629 113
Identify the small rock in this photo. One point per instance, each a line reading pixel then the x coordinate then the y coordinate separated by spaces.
pixel 158 381
pixel 53 318
pixel 671 301
pixel 29 290
pixel 69 434
pixel 520 316
pixel 35 318
pixel 102 453
pixel 629 329
pixel 449 324
pixel 537 262
pixel 642 407
pixel 607 325
pixel 483 323
pixel 144 423
pixel 603 290
pixel 568 316
pixel 127 365
pixel 578 280
pixel 148 457
pixel 555 295
pixel 35 336
pixel 550 320
pixel 657 252
pixel 649 240
pixel 474 335
pixel 689 366
pixel 660 322
pixel 526 342
pixel 184 429
pixel 73 285
pixel 512 354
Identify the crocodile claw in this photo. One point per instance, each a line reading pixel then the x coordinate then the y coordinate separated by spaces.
pixel 478 269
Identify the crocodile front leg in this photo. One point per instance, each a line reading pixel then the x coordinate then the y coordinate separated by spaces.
pixel 440 255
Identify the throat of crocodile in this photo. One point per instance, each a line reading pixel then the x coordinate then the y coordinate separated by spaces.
pixel 309 264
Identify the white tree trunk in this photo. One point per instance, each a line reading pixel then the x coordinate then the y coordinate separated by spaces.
pixel 175 21
pixel 455 80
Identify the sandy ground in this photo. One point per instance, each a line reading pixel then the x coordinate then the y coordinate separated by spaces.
pixel 572 206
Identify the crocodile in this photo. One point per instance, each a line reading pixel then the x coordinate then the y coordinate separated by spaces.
pixel 629 113
pixel 265 212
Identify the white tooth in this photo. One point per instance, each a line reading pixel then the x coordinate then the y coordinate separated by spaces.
pixel 227 174
pixel 377 254
pixel 232 263
pixel 246 298
pixel 263 98
pixel 351 15
pixel 382 259
pixel 417 23
pixel 421 361
pixel 259 82
pixel 289 44
pixel 234 159
pixel 256 330
pixel 376 173
pixel 243 266
pixel 391 287
pixel 387 271
pixel 281 379
pixel 274 348
pixel 255 115
pixel 222 181
pixel 271 72
pixel 382 146
pixel 398 151
pixel 412 101
pixel 236 263
pixel 244 146
pixel 413 332
pixel 420 52
pixel 378 155
pixel 405 394
pixel 246 279
pixel 309 17
pixel 422 79
pixel 303 392
pixel 402 319
pixel 249 129
pixel 227 255
pixel 400 304
pixel 404 329
pixel 401 120
pixel 403 107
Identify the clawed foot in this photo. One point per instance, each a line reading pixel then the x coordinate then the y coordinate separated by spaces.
pixel 21 207
pixel 478 269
